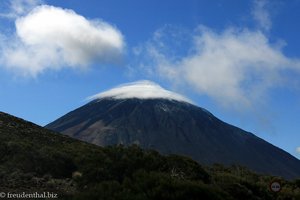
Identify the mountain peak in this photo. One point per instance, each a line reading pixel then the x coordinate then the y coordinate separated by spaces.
pixel 141 90
pixel 149 119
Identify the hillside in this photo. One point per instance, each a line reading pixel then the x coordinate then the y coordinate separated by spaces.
pixel 34 159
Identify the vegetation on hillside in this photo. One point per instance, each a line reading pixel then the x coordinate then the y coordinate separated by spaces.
pixel 33 159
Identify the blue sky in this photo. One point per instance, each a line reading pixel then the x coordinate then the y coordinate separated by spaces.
pixel 238 59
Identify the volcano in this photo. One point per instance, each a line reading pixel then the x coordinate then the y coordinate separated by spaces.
pixel 145 114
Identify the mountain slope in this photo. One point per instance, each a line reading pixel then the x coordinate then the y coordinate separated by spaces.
pixel 171 126
pixel 34 159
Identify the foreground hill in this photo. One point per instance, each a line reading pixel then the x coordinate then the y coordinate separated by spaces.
pixel 145 114
pixel 34 159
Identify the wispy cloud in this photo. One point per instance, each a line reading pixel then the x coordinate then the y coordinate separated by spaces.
pixel 261 14
pixel 236 67
pixel 50 37
pixel 141 90
pixel 17 8
pixel 298 150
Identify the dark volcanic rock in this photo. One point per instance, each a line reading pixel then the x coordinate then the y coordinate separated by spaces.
pixel 174 127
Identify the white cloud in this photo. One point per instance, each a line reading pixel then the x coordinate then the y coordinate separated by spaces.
pixel 141 90
pixel 52 38
pixel 235 67
pixel 261 14
pixel 298 150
